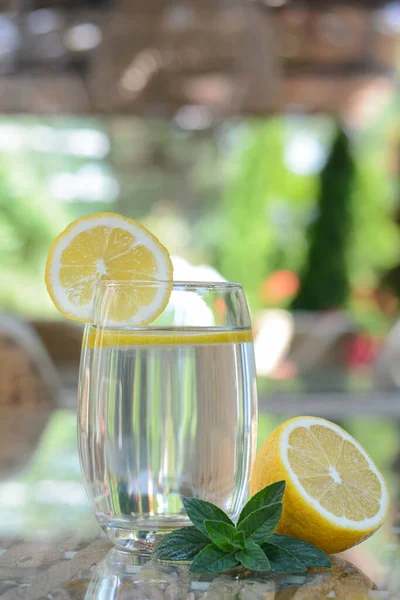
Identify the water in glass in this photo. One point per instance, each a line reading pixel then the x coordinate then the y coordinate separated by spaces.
pixel 165 413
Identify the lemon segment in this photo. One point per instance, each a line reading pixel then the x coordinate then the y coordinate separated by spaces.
pixel 106 246
pixel 100 338
pixel 335 496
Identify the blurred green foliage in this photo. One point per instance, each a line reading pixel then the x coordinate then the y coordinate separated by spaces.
pixel 29 221
pixel 228 197
pixel 263 209
pixel 325 284
pixel 30 218
pixel 267 210
pixel 375 239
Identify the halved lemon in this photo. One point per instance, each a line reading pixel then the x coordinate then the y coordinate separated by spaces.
pixel 107 246
pixel 335 496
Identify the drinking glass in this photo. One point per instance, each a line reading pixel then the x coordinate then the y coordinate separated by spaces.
pixel 168 410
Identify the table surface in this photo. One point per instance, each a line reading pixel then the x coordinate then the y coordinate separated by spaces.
pixel 70 569
pixel 51 547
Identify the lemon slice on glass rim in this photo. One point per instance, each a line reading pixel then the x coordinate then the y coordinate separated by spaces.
pixel 112 248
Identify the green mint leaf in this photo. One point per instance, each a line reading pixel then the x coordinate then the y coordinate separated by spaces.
pixel 222 535
pixel 199 511
pixel 282 561
pixel 182 544
pixel 261 523
pixel 240 540
pixel 212 560
pixel 252 557
pixel 310 555
pixel 269 495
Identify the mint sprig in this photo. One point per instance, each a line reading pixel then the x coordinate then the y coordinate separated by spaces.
pixel 215 544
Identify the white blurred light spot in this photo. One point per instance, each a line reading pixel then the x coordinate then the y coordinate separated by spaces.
pixel 90 184
pixel 388 19
pixel 88 143
pixel 41 138
pixel 184 271
pixel 304 154
pixel 85 142
pixel 9 36
pixel 62 186
pixel 56 492
pixel 43 21
pixel 83 37
pixel 134 80
pixel 275 332
pixel 12 137
pixel 139 72
pixel 98 185
pixel 193 117
pixel 13 494
pixel 189 308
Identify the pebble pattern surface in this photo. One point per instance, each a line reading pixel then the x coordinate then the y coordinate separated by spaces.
pixel 71 569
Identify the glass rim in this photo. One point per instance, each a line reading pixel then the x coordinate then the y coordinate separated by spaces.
pixel 175 284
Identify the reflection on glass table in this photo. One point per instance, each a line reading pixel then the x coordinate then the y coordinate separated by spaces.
pixel 121 575
pixel 72 570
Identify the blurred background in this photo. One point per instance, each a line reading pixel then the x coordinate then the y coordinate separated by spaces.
pixel 260 141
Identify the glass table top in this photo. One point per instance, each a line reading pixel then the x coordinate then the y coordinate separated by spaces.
pixel 52 548
pixel 72 570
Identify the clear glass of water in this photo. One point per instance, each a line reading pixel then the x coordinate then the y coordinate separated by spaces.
pixel 167 411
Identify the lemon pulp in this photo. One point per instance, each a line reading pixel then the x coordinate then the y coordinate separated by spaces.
pixel 335 496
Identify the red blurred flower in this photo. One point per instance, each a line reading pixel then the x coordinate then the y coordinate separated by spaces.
pixel 279 286
pixel 362 350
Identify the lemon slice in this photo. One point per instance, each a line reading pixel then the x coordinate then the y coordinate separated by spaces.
pixel 335 496
pixel 101 338
pixel 110 247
